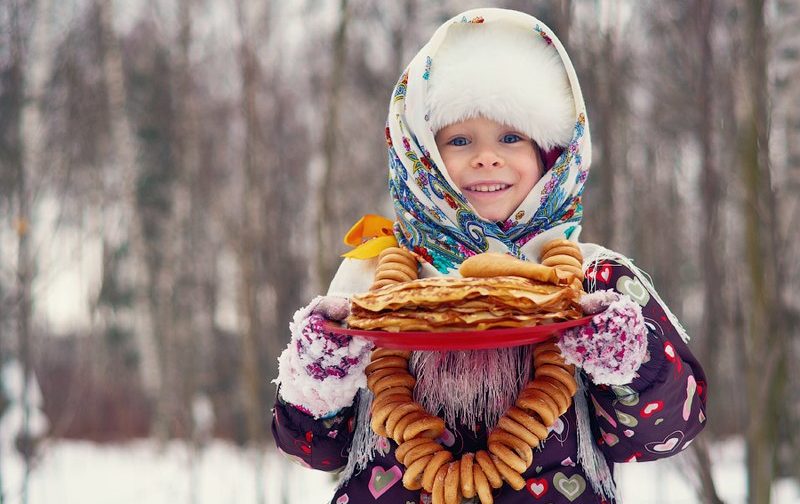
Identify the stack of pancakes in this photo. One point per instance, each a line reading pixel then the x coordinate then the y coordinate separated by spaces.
pixel 496 290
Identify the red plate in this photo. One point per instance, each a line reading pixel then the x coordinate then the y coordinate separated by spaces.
pixel 461 340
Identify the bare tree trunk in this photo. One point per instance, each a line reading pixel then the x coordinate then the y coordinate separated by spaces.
pixel 710 184
pixel 248 256
pixel 609 87
pixel 122 162
pixel 183 254
pixel 24 281
pixel 766 357
pixel 250 268
pixel 707 492
pixel 711 263
pixel 324 194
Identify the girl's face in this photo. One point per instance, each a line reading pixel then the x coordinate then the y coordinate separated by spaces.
pixel 494 166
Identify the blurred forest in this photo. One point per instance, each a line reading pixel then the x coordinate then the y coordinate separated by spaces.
pixel 176 177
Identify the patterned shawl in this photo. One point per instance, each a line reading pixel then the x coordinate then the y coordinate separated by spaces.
pixel 434 219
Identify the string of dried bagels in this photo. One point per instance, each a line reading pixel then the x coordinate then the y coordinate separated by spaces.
pixel 523 427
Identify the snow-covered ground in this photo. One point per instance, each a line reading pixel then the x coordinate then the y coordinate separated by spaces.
pixel 70 472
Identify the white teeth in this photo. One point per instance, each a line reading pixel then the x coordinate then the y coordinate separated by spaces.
pixel 488 187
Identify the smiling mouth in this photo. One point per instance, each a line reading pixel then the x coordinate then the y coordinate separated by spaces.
pixel 487 188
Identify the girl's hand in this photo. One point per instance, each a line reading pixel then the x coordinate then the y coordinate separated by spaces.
pixel 320 371
pixel 612 347
pixel 324 354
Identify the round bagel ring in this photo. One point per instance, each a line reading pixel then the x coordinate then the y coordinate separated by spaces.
pixel 378 420
pixel 521 417
pixel 555 359
pixel 439 460
pixel 551 357
pixel 431 427
pixel 489 469
pixel 547 346
pixel 394 261
pixel 387 362
pixel 399 430
pixel 437 496
pixel 406 446
pixel 395 380
pixel 392 390
pixel 561 260
pixel 556 393
pixel 394 250
pixel 557 383
pixel 519 430
pixel 520 447
pixel 557 243
pixel 564 250
pixel 404 267
pixel 452 485
pixel 508 456
pixel 512 477
pixel 529 392
pixel 467 478
pixel 389 398
pixel 482 487
pixel 398 413
pixel 559 374
pixel 388 352
pixel 376 375
pixel 538 406
pixel 412 478
pixel 394 275
pixel 421 451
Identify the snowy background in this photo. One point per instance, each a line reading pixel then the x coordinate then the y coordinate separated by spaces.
pixel 160 219
pixel 71 472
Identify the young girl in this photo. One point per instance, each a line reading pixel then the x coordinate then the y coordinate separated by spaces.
pixel 489 150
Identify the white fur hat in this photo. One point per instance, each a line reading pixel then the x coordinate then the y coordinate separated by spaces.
pixel 505 73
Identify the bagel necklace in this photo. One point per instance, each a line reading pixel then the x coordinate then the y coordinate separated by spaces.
pixel 428 465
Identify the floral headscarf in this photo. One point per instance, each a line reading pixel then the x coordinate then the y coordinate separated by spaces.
pixel 434 219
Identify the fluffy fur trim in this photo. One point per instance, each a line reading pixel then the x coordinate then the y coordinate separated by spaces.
pixel 505 73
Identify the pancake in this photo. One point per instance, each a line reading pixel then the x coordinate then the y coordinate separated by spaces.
pixel 444 304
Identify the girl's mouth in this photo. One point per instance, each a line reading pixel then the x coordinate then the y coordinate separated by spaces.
pixel 487 188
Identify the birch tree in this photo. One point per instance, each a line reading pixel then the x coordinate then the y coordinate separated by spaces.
pixel 27 83
pixel 123 187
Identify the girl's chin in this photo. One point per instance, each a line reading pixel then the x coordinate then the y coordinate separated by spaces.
pixel 492 216
pixel 489 212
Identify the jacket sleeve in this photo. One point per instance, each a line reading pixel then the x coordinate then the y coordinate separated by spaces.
pixel 660 412
pixel 322 443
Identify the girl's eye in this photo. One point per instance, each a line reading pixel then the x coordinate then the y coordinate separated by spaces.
pixel 511 138
pixel 458 141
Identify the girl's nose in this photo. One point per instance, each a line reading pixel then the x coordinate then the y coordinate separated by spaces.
pixel 487 158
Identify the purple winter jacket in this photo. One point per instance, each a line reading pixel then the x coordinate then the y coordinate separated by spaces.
pixel 655 416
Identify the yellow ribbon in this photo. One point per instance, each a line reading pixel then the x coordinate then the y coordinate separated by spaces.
pixel 370 236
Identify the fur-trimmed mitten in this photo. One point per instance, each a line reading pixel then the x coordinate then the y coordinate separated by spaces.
pixel 613 346
pixel 320 372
